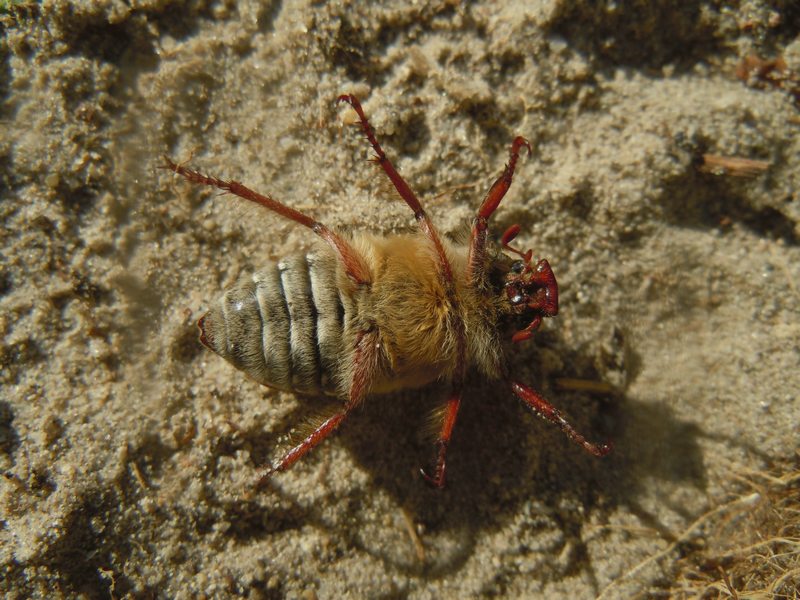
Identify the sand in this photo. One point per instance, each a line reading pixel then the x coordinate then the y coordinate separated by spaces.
pixel 129 450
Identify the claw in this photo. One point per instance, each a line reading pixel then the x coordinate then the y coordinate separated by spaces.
pixel 350 99
pixel 518 142
pixel 264 476
pixel 599 450
pixel 436 481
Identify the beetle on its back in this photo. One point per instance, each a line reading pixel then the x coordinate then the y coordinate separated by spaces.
pixel 364 314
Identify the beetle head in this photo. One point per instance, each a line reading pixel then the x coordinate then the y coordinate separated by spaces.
pixel 531 290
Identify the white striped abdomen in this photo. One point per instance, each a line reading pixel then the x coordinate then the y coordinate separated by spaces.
pixel 284 326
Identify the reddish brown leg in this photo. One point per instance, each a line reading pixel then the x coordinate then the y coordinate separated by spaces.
pixel 550 413
pixel 477 248
pixel 402 188
pixel 365 363
pixel 354 265
pixel 448 422
pixel 446 272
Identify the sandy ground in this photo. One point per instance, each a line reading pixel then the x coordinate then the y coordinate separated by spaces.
pixel 128 450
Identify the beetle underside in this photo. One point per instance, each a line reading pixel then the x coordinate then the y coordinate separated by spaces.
pixel 530 293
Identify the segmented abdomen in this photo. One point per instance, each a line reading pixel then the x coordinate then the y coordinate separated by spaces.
pixel 284 325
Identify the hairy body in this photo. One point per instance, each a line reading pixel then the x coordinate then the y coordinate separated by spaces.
pixel 293 325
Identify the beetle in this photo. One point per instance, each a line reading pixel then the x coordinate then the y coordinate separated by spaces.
pixel 362 314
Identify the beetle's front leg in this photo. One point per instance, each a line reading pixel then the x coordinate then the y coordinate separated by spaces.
pixel 550 413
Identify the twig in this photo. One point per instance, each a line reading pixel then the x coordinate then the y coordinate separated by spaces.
pixel 732 165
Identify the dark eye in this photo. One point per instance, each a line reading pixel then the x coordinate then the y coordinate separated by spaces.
pixel 517 267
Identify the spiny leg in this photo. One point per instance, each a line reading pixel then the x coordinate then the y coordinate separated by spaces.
pixel 354 264
pixel 448 423
pixel 402 187
pixel 550 413
pixel 446 274
pixel 365 363
pixel 477 248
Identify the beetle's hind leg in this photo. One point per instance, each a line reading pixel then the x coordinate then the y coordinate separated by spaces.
pixel 365 364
